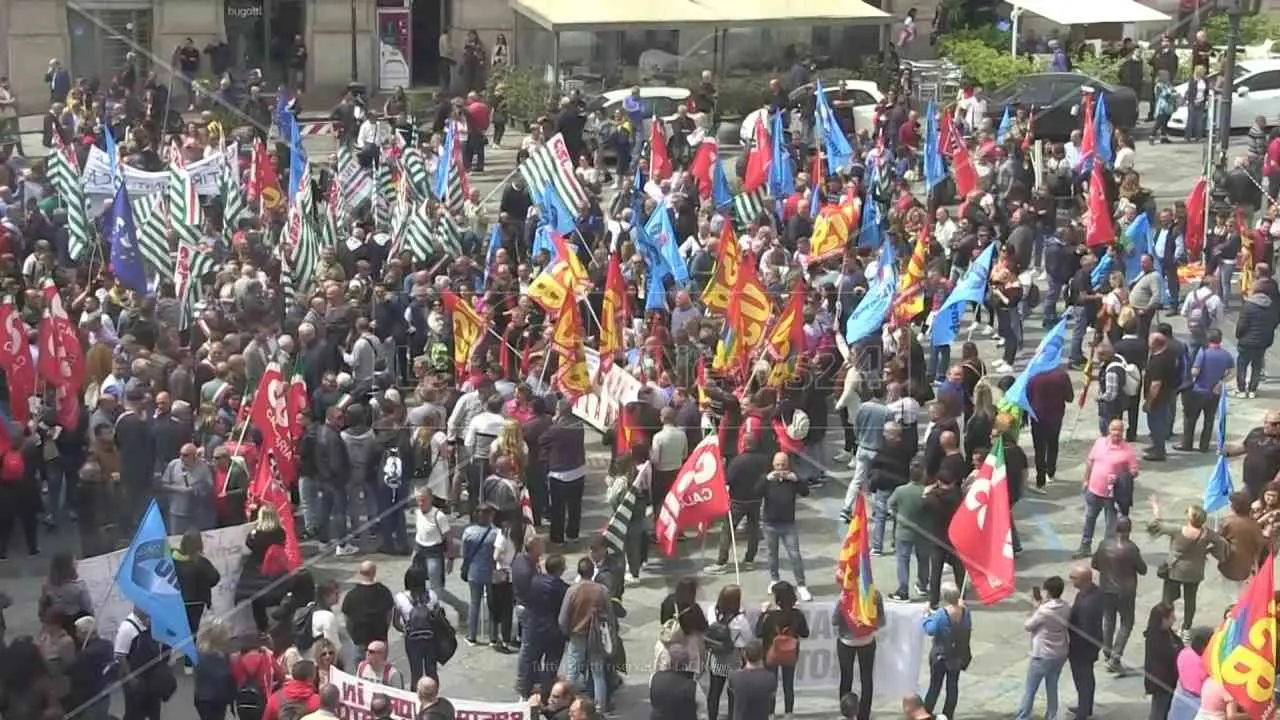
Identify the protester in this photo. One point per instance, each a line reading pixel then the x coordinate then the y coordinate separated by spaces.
pixel 780 629
pixel 1191 544
pixel 1048 625
pixel 951 627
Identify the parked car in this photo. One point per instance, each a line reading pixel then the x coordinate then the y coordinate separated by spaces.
pixel 662 101
pixel 863 93
pixel 1054 100
pixel 1257 92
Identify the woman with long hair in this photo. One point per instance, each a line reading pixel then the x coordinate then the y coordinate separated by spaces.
pixel 197 577
pixel 215 687
pixel 326 659
pixel 27 688
pixel 684 622
pixel 979 425
pixel 64 591
pixel 510 444
pixel 58 648
pixel 725 638
pixel 263 567
pixel 1160 663
pixel 411 605
pixel 430 465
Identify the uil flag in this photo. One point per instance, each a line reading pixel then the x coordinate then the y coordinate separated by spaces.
pixel 981 533
pixel 697 497
pixel 146 579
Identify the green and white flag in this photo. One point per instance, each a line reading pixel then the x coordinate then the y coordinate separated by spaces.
pixel 186 219
pixel 747 207
pixel 356 182
pixel 414 231
pixel 413 167
pixel 384 196
pixel 153 238
pixel 191 266
pixel 303 253
pixel 66 183
pixel 448 235
pixel 234 206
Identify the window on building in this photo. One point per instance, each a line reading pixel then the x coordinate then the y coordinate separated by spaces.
pixel 100 39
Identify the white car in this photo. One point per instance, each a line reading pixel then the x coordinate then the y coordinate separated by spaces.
pixel 1257 84
pixel 863 93
pixel 660 100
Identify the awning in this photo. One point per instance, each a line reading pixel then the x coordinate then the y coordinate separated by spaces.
pixel 569 15
pixel 597 15
pixel 1089 12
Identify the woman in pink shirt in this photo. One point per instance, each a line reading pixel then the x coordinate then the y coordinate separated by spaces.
pixel 1191 676
pixel 1109 459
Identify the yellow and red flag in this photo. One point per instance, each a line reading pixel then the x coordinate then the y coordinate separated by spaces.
pixel 613 311
pixel 566 336
pixel 1241 654
pixel 560 280
pixel 910 299
pixel 785 340
pixel 853 572
pixel 831 231
pixel 468 326
pixel 718 294
pixel 732 350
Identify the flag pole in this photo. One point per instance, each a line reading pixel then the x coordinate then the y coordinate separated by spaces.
pixel 733 545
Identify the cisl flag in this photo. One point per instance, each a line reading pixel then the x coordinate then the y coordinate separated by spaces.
pixel 981 533
pixel 697 497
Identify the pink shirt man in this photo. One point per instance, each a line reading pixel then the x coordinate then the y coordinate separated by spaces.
pixel 1108 459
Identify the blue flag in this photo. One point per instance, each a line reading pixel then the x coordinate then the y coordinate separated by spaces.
pixel 834 143
pixel 281 115
pixel 782 176
pixel 655 291
pixel 1218 489
pixel 542 241
pixel 552 210
pixel 1138 238
pixel 440 184
pixel 815 198
pixel 1222 418
pixel 660 241
pixel 113 154
pixel 1098 276
pixel 869 231
pixel 970 288
pixel 934 170
pixel 495 242
pixel 1005 126
pixel 126 262
pixel 297 163
pixel 146 579
pixel 1102 131
pixel 1048 357
pixel 721 193
pixel 871 312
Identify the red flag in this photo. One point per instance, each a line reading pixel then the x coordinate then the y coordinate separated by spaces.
pixel 270 488
pixel 61 357
pixel 1099 230
pixel 696 498
pixel 961 166
pixel 659 161
pixel 15 357
pixel 707 155
pixel 1195 218
pixel 298 403
pixel 274 414
pixel 759 158
pixel 1088 135
pixel 981 530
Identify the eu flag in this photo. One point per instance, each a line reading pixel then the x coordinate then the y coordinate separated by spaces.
pixel 1048 357
pixel 126 262
pixel 146 578
pixel 721 193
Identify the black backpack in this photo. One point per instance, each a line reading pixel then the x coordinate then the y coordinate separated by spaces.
pixel 956 651
pixel 146 658
pixel 251 699
pixel 446 636
pixel 293 710
pixel 719 639
pixel 303 636
pixel 421 623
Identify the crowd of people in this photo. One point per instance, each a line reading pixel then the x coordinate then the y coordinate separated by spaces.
pixel 456 449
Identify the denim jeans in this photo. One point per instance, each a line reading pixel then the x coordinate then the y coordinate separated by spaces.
pixel 1041 670
pixel 939 361
pixel 1050 310
pixel 391 521
pixel 1079 325
pixel 1226 270
pixel 903 551
pixel 432 559
pixel 1093 505
pixel 1160 424
pixel 474 613
pixel 581 663
pixel 880 512
pixel 861 469
pixel 309 500
pixel 333 513
pixel 1197 117
pixel 811 463
pixel 422 660
pixel 538 661
pixel 790 540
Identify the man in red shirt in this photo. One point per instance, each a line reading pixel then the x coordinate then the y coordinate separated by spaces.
pixel 297 697
pixel 909 138
pixel 478 118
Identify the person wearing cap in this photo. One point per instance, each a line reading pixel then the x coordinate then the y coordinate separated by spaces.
pixel 90 674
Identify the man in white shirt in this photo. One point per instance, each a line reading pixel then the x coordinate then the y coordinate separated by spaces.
pixel 367 140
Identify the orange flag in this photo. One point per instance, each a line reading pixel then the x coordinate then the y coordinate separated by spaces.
pixel 468 326
pixel 719 291
pixel 613 311
pixel 910 300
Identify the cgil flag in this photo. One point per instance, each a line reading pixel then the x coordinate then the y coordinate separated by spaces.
pixel 698 495
pixel 147 580
pixel 981 531
pixel 1242 652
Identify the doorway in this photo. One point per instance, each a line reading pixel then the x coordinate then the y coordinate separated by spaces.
pixel 429 18
pixel 286 19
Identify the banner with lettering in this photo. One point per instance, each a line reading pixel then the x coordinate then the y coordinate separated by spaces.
pixel 357 694
pixel 97 176
pixel 600 407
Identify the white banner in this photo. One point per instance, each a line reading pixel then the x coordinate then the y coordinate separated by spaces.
pixel 600 408
pixel 900 649
pixel 224 548
pixel 357 694
pixel 97 176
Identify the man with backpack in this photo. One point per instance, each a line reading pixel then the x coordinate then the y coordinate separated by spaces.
pixel 142 663
pixel 297 697
pixel 1117 382
pixel 1131 349
pixel 254 672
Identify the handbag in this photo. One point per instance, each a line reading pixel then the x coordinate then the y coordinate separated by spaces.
pixel 466 561
pixel 1162 571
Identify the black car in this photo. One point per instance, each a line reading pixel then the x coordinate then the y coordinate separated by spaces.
pixel 1054 100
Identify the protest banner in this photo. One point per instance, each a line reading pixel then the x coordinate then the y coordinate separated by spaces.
pixel 224 547
pixel 96 176
pixel 600 408
pixel 899 649
pixel 357 694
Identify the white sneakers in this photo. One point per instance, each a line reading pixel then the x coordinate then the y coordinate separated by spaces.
pixel 803 594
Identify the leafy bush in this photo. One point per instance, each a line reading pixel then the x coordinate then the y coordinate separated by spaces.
pixel 989 35
pixel 1254 28
pixel 528 95
pixel 1106 69
pixel 982 64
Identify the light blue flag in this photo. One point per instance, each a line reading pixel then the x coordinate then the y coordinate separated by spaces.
pixel 815 199
pixel 146 579
pixel 495 242
pixel 869 230
pixel 721 193
pixel 970 288
pixel 1102 131
pixel 934 169
pixel 542 241
pixel 297 162
pixel 552 210
pixel 782 176
pixel 659 241
pixel 1005 126
pixel 1218 489
pixel 655 291
pixel 1101 271
pixel 440 183
pixel 834 143
pixel 1222 419
pixel 1138 237
pixel 1048 357
pixel 870 314
pixel 113 153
